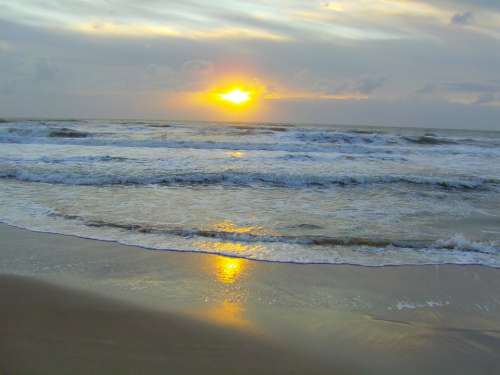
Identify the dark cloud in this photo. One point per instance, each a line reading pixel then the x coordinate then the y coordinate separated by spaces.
pixel 198 67
pixel 370 84
pixel 485 98
pixel 429 88
pixel 462 18
pixel 472 87
pixel 483 92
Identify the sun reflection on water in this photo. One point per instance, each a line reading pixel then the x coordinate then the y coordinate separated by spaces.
pixel 235 154
pixel 229 226
pixel 233 248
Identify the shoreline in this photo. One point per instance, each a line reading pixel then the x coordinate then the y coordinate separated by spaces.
pixel 347 319
pixel 203 252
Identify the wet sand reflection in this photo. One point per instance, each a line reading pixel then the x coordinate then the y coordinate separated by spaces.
pixel 227 305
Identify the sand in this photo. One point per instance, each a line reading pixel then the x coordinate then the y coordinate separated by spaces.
pixel 73 305
pixel 47 329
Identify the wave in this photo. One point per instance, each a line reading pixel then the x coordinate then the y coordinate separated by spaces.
pixel 338 137
pixel 68 160
pixel 376 138
pixel 44 132
pixel 431 140
pixel 82 159
pixel 456 243
pixel 460 243
pixel 160 143
pixel 281 138
pixel 67 133
pixel 242 179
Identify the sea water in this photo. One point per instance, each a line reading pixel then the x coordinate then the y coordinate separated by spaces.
pixel 274 192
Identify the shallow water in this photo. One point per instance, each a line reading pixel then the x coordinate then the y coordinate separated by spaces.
pixel 294 193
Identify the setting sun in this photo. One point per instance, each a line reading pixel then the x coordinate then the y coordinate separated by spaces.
pixel 235 96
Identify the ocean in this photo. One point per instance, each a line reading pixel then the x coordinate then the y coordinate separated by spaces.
pixel 271 192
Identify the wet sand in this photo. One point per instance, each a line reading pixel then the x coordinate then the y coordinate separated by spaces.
pixel 47 329
pixel 85 306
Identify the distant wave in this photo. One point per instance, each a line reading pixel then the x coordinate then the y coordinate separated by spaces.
pixel 230 178
pixel 67 133
pixel 160 143
pixel 50 132
pixel 286 139
pixel 365 137
pixel 66 160
pixel 432 140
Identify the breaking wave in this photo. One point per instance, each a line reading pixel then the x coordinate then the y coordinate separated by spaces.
pixel 286 139
pixel 243 179
pixel 456 243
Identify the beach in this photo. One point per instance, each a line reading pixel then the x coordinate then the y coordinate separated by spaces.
pixel 72 305
pixel 250 187
pixel 51 330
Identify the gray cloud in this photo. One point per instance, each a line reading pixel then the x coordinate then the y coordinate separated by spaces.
pixel 479 93
pixel 481 87
pixel 44 70
pixel 462 18
pixel 485 98
pixel 80 74
pixel 370 84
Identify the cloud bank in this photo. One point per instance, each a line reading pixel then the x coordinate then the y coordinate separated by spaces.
pixel 375 62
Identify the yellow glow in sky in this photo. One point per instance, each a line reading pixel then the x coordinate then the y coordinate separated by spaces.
pixel 235 96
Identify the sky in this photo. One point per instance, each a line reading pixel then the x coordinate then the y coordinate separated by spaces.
pixel 418 63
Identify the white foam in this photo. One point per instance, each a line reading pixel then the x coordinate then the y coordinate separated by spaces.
pixel 459 243
pixel 407 305
pixel 90 176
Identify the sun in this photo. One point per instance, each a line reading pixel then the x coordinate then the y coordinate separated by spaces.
pixel 235 96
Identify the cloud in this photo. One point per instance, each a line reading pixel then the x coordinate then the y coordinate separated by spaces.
pixel 347 61
pixel 198 67
pixel 4 46
pixel 157 31
pixel 470 93
pixel 462 18
pixel 486 98
pixel 369 84
pixel 355 88
pixel 44 70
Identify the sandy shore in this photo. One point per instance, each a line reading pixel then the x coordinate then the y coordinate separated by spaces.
pixel 47 329
pixel 85 306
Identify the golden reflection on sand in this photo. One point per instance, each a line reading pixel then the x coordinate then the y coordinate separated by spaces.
pixel 230 312
pixel 227 270
pixel 226 306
